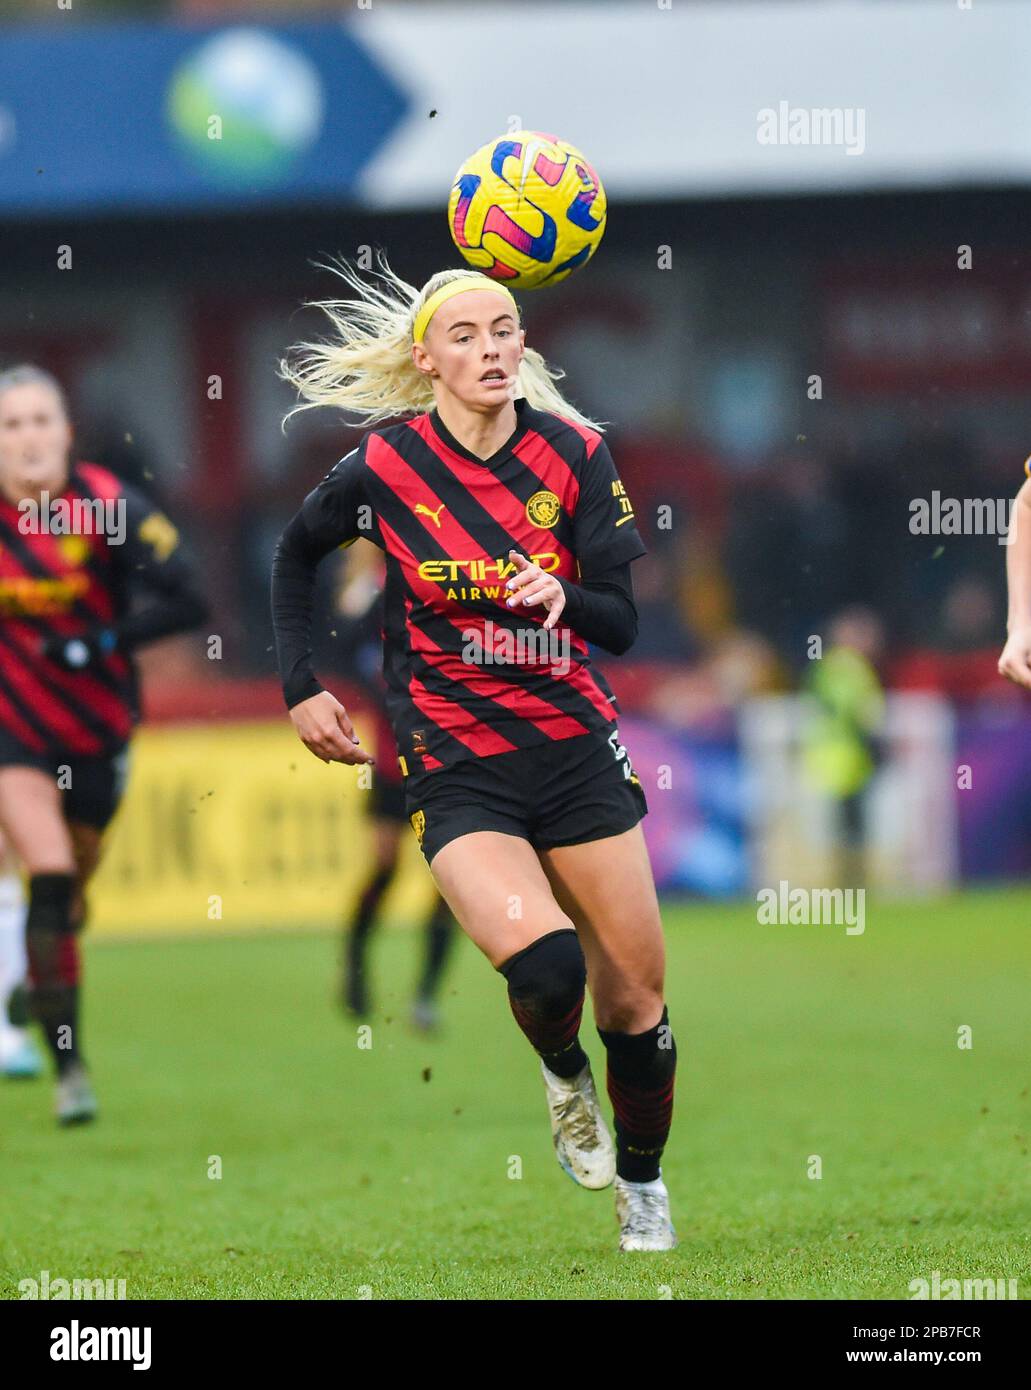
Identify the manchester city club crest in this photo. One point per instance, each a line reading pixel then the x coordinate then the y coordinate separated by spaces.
pixel 542 510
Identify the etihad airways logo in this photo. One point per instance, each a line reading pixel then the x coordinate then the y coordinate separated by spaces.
pixel 25 595
pixel 480 569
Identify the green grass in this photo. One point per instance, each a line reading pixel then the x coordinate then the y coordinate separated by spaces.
pixel 384 1172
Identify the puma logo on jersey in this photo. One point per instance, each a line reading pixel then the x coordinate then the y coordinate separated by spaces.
pixel 421 510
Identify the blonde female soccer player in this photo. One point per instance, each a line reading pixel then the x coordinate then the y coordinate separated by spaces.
pixel 507 537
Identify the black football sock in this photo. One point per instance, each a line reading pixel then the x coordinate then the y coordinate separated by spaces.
pixel 640 1077
pixel 53 955
pixel 546 984
pixel 19 1007
pixel 368 903
pixel 356 939
pixel 440 931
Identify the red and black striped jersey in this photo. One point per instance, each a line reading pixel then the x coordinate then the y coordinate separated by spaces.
pixel 465 675
pixel 69 570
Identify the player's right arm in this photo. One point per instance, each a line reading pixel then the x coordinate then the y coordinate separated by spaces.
pixel 328 519
pixel 1015 661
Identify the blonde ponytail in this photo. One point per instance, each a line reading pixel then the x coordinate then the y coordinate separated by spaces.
pixel 365 368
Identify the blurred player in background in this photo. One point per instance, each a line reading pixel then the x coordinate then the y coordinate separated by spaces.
pixel 89 572
pixel 360 606
pixel 500 512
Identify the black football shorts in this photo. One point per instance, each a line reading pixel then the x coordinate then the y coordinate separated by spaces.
pixel 565 792
pixel 91 785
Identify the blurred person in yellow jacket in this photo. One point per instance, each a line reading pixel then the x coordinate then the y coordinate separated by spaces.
pixel 842 743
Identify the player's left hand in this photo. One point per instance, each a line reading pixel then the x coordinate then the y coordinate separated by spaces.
pixel 79 653
pixel 1015 661
pixel 531 585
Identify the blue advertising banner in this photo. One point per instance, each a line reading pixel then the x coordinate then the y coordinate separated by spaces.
pixel 696 827
pixel 995 809
pixel 157 117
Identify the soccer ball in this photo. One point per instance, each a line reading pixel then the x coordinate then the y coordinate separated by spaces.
pixel 527 209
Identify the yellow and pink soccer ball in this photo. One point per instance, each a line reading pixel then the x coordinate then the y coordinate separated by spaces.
pixel 527 209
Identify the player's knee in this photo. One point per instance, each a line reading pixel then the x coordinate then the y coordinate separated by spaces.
pixel 548 976
pixel 628 1008
pixel 42 860
pixel 386 864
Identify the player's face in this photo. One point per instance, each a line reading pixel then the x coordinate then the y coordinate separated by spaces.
pixel 474 345
pixel 35 437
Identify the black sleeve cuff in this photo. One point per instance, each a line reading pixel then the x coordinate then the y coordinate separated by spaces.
pixel 301 689
pixel 602 611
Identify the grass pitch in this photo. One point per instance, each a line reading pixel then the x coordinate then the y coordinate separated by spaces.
pixel 390 1172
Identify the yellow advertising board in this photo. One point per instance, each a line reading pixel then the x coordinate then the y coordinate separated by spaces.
pixel 234 827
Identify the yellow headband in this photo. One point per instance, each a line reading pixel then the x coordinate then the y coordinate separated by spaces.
pixel 437 298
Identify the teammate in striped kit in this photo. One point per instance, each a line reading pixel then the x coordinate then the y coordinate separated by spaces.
pixel 359 629
pixel 507 536
pixel 76 548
